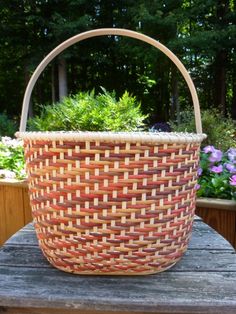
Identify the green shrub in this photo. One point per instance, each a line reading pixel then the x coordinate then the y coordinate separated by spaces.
pixel 7 126
pixel 220 130
pixel 86 111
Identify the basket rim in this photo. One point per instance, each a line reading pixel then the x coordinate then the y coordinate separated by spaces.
pixel 105 136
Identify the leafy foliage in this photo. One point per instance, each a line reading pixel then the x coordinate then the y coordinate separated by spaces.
pixel 12 163
pixel 86 111
pixel 220 130
pixel 7 126
pixel 201 33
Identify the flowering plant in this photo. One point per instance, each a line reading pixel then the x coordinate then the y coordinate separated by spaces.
pixel 12 163
pixel 217 173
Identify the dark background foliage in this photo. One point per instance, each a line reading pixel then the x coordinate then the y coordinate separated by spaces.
pixel 202 33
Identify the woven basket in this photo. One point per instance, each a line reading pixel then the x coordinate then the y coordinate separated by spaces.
pixel 112 203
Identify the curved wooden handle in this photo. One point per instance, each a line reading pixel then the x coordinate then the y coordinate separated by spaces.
pixel 101 32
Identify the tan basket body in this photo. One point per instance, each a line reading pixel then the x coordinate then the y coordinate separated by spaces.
pixel 112 203
pixel 112 208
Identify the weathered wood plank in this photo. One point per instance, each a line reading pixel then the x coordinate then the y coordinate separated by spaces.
pixel 167 292
pixel 204 281
pixel 206 238
pixel 203 237
pixel 70 311
pixel 193 260
pixel 223 221
pixel 55 311
pixel 16 256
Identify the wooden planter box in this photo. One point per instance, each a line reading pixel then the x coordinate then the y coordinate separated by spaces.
pixel 15 211
pixel 219 214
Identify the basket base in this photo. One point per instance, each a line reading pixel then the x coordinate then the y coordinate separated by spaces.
pixel 128 272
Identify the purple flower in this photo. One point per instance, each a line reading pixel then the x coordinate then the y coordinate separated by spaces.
pixel 216 155
pixel 230 167
pixel 197 186
pixel 217 169
pixel 199 171
pixel 231 154
pixel 209 149
pixel 233 180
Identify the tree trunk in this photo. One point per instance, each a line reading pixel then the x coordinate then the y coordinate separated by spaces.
pixel 220 81
pixel 175 108
pixel 221 60
pixel 233 110
pixel 62 78
pixel 53 85
pixel 27 78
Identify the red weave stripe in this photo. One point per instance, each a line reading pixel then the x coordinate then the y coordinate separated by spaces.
pixel 127 231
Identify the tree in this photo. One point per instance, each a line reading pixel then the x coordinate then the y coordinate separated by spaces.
pixel 201 33
pixel 29 30
pixel 208 30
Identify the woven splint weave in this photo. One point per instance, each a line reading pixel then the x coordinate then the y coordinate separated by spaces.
pixel 112 203
pixel 112 208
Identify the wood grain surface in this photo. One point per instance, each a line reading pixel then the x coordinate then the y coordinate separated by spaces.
pixel 204 281
pixel 222 220
pixel 12 217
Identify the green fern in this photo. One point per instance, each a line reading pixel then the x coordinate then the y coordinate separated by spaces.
pixel 86 111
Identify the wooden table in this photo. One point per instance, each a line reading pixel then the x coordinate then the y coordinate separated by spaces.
pixel 204 281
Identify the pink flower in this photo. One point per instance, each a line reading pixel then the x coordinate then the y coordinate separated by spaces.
pixel 230 167
pixel 233 180
pixel 209 149
pixel 217 169
pixel 231 154
pixel 199 172
pixel 216 155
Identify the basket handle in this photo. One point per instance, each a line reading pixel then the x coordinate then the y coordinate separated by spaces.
pixel 109 31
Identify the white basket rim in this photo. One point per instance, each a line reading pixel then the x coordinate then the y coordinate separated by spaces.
pixel 144 137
